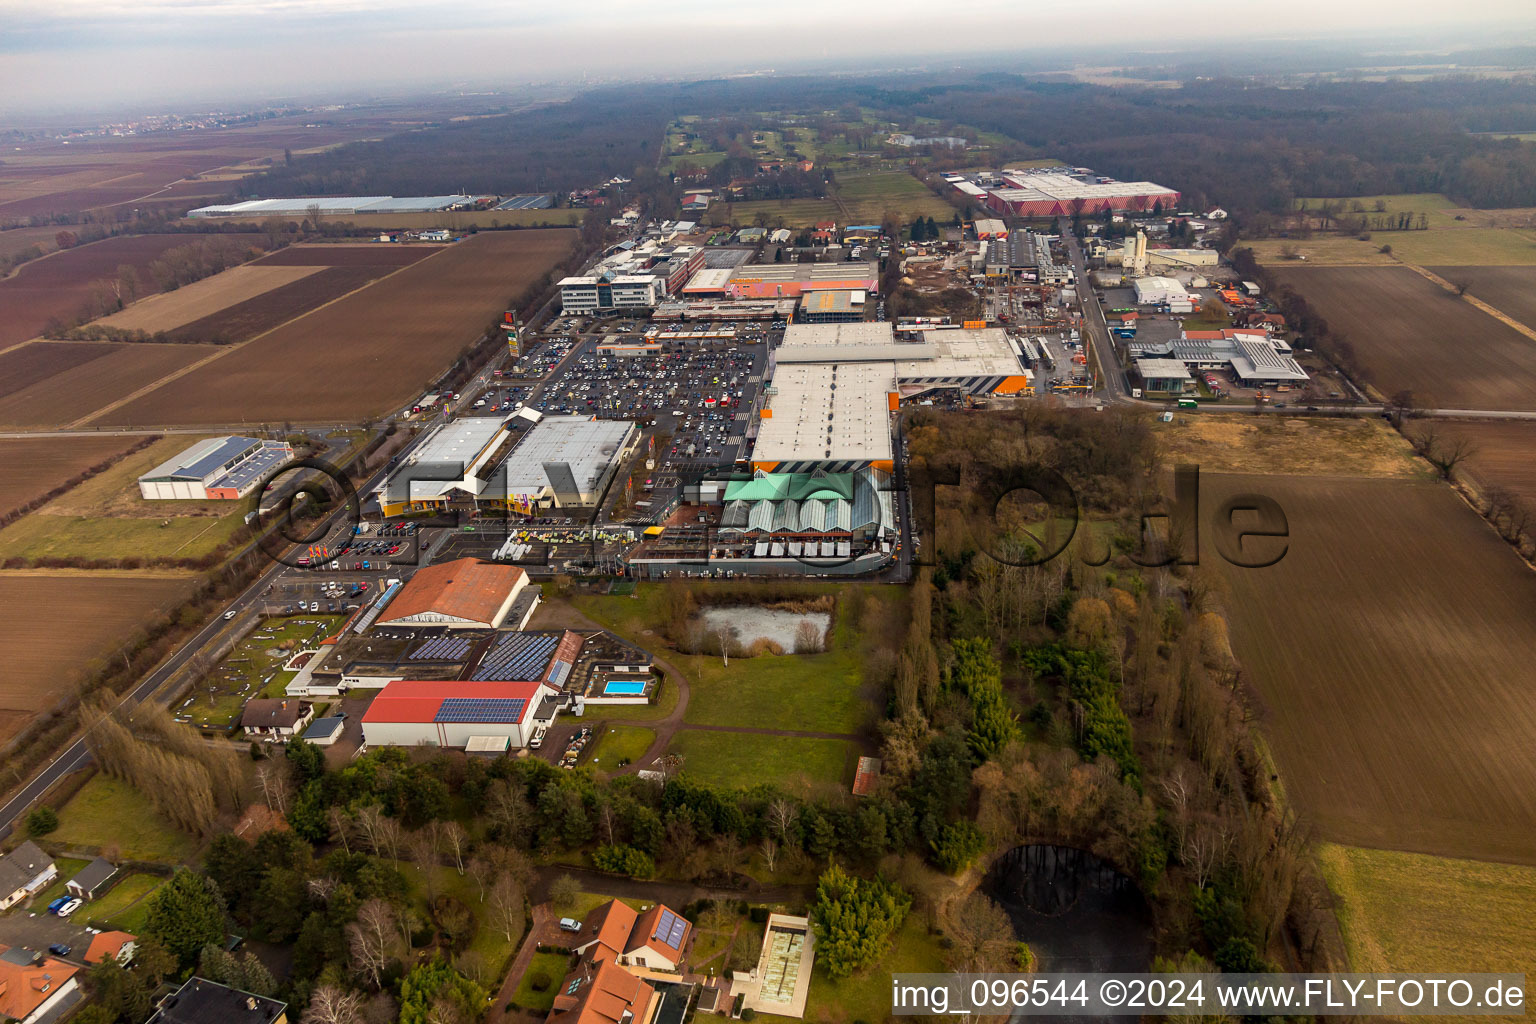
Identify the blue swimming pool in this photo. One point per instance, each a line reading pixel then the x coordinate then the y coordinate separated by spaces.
pixel 625 687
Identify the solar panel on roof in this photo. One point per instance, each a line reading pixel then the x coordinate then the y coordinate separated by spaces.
pixel 487 710
pixel 669 929
pixel 517 656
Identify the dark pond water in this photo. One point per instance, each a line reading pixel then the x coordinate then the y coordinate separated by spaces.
pixel 1076 912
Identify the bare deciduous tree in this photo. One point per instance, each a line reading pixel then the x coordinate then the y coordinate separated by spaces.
pixel 770 850
pixel 506 900
pixel 371 939
pixel 331 1004
pixel 453 841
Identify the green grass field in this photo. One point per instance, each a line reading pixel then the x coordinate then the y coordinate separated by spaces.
pixel 126 905
pixel 586 902
pixel 790 213
pixel 42 535
pixel 1408 912
pixel 553 967
pixel 1470 247
pixel 618 745
pixel 109 812
pixel 868 196
pixel 808 692
pixel 735 760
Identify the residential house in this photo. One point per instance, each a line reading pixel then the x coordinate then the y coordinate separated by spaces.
pixel 201 1001
pixel 33 986
pixel 24 872
pixel 276 718
pixel 93 879
pixel 119 946
pixel 653 939
pixel 598 991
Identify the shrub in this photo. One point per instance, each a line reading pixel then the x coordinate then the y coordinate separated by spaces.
pixel 624 860
pixel 41 821
pixel 758 915
pixel 539 981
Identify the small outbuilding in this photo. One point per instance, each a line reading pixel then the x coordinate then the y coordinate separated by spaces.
pixel 93 879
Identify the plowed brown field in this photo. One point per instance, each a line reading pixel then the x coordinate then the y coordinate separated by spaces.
pixel 366 354
pixel 1410 334
pixel 30 467
pixel 1392 648
pixel 65 397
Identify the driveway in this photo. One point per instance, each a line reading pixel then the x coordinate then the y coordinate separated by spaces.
pixel 39 931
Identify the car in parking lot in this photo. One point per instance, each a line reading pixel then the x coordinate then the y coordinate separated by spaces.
pixel 59 949
pixel 70 907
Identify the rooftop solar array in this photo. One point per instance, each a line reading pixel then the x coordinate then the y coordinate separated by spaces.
pixel 670 929
pixel 442 648
pixel 488 710
pixel 517 656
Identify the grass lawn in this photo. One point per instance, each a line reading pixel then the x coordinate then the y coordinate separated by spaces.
pixel 869 196
pixel 553 967
pixel 126 904
pixel 734 760
pixel 618 745
pixel 1409 912
pixel 1325 250
pixel 1471 247
pixel 44 535
pixel 867 996
pixel 586 902
pixel 793 213
pixel 1403 202
pixel 109 812
pixel 492 945
pixel 806 692
pixel 68 867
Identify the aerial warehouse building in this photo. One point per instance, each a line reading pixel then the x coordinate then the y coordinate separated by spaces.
pixel 220 468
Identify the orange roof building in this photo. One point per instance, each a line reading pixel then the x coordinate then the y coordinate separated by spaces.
pixel 598 991
pixel 464 593
pixel 117 946
pixel 655 938
pixel 30 985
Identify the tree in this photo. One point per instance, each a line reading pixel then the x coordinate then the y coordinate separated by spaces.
pixel 506 900
pixel 186 914
pixel 66 239
pixel 332 1004
pixel 982 935
pixel 41 821
pixel 624 860
pixel 453 840
pixel 562 892
pixel 434 992
pixel 371 939
pixel 854 920
pixel 807 637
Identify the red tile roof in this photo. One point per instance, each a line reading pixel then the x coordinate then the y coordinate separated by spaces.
pixel 24 989
pixel 107 946
pixel 465 588
pixel 418 701
pixel 600 992
pixel 609 926
pixel 643 935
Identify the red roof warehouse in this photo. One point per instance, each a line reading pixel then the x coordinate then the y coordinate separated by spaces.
pixel 451 713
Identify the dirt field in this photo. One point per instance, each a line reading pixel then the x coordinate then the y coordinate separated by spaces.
pixel 206 297
pixel 25 365
pixel 1506 455
pixel 363 254
pixel 1409 333
pixel 1348 446
pixel 1391 650
pixel 367 353
pixel 65 397
pixel 59 284
pixel 454 220
pixel 58 622
pixel 31 467
pixel 245 320
pixel 1410 913
pixel 1510 290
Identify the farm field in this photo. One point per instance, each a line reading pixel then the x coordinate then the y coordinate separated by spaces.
pixel 25 365
pixel 58 285
pixel 734 760
pixel 116 492
pixel 1390 650
pixel 362 254
pixel 1348 446
pixel 63 397
pixel 59 621
pixel 201 298
pixel 1409 912
pixel 1510 290
pixel 1319 251
pixel 790 213
pixel 869 196
pixel 19 240
pixel 455 220
pixel 365 354
pixel 1503 455
pixel 46 535
pixel 1462 246
pixel 242 321
pixel 31 467
pixel 1409 333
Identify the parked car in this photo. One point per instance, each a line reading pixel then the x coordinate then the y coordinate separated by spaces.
pixel 59 949
pixel 71 907
pixel 570 924
pixel 53 908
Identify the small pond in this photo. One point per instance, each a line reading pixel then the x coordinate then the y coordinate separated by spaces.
pixel 754 622
pixel 1076 911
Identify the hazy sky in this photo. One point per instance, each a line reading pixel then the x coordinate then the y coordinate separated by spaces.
pixel 68 53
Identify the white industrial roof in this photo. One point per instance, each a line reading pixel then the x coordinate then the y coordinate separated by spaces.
pixel 983 352
pixel 1037 185
pixel 1161 368
pixel 587 445
pixel 828 413
pixel 836 335
pixel 709 279
pixel 448 456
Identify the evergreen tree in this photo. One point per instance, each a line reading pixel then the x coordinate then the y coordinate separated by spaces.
pixel 186 914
